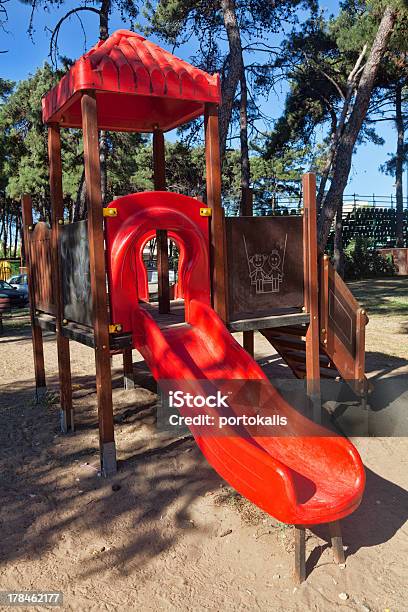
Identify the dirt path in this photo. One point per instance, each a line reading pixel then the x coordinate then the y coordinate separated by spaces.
pixel 165 533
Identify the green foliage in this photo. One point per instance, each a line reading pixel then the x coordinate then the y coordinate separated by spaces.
pixel 23 147
pixel 363 261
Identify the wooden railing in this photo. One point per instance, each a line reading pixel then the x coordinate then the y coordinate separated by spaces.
pixel 342 327
pixel 38 250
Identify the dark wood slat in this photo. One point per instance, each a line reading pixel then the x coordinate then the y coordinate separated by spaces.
pixel 57 217
pixel 286 330
pixel 267 322
pixel 98 283
pixel 82 333
pixel 38 350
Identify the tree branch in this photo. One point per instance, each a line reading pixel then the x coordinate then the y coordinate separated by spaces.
pixel 55 31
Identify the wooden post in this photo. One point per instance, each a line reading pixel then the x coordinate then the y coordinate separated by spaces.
pixel 128 376
pixel 337 542
pixel 248 210
pixel 213 178
pixel 98 283
pixel 300 553
pixel 39 369
pixel 311 294
pixel 359 373
pixel 57 219
pixel 324 300
pixel 159 178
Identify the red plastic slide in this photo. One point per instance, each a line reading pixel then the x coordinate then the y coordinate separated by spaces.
pixel 303 477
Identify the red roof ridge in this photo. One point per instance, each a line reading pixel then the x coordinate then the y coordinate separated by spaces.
pixel 128 63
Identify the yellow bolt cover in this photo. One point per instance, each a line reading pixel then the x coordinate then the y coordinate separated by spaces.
pixel 205 212
pixel 110 212
pixel 116 327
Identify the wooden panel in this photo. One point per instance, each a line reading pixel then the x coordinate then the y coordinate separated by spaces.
pixel 39 252
pixel 265 265
pixel 343 324
pixel 75 272
pixel 341 313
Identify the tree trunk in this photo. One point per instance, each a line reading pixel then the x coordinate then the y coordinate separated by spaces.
pixel 245 163
pixel 104 19
pixel 399 122
pixel 80 207
pixel 17 227
pixel 344 152
pixel 5 233
pixel 338 242
pixel 235 68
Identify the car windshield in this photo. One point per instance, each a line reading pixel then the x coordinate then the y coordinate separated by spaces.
pixel 4 285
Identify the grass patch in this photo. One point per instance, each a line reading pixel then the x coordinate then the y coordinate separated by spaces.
pixel 386 297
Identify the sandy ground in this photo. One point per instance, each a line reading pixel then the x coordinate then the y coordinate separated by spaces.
pixel 166 533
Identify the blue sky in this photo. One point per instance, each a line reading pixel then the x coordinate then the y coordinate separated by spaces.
pixel 25 55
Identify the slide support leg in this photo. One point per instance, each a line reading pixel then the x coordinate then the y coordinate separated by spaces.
pixel 300 554
pixel 128 377
pixel 248 342
pixel 337 542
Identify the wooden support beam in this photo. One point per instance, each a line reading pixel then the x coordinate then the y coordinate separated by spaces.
pixel 248 342
pixel 213 178
pixel 159 179
pixel 98 283
pixel 57 219
pixel 300 554
pixel 337 542
pixel 311 294
pixel 38 350
pixel 128 376
pixel 248 210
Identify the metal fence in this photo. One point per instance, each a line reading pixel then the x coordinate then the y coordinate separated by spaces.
pixel 371 216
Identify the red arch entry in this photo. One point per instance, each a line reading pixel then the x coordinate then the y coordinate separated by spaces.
pixel 139 216
pixel 141 271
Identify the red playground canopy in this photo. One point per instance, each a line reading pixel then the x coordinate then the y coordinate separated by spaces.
pixel 169 91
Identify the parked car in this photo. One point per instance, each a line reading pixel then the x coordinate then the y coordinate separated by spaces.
pixel 19 282
pixel 18 298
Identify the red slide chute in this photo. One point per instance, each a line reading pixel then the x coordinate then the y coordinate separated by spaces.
pixel 305 477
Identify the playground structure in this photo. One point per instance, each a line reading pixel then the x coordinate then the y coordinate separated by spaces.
pixel 236 274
